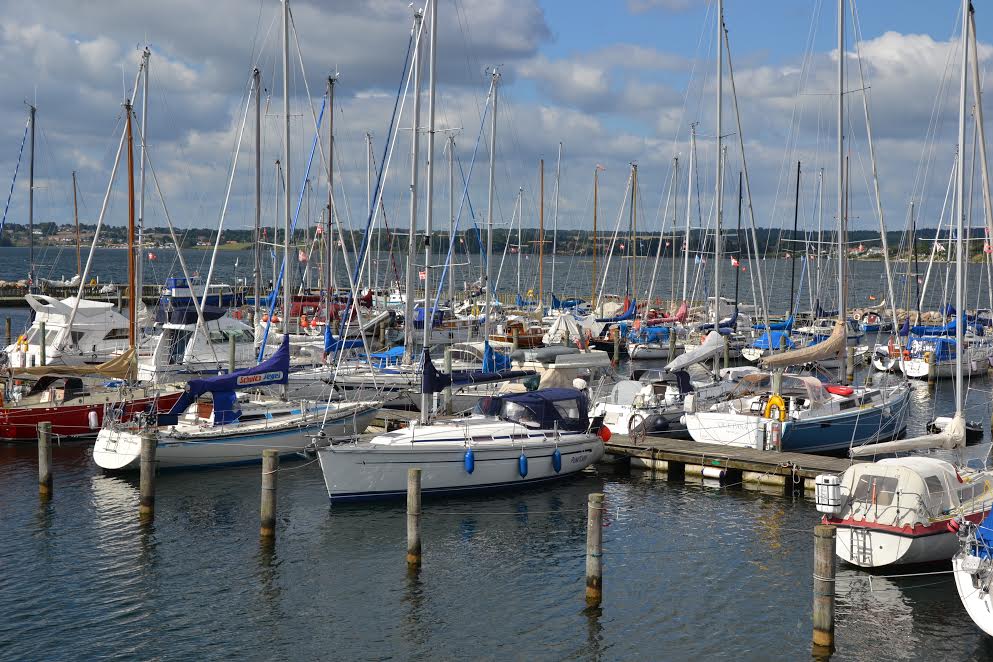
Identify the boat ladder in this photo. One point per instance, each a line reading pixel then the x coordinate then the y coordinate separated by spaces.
pixel 861 546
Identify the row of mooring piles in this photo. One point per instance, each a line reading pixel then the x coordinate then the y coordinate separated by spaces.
pixel 824 535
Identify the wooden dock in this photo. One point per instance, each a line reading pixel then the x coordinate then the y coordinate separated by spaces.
pixel 729 464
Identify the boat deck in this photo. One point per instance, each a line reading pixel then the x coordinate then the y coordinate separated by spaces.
pixel 769 467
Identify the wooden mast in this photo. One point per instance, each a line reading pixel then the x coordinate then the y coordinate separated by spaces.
pixel 75 215
pixel 132 272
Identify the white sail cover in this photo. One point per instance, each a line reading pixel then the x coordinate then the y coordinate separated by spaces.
pixel 951 438
pixel 564 331
pixel 711 346
pixel 831 347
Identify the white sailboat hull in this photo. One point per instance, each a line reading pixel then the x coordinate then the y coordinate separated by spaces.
pixel 362 471
pixel 118 450
pixel 974 594
pixel 875 548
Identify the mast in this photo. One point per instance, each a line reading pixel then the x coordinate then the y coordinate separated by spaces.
pixel 737 272
pixel 31 283
pixel 132 270
pixel 675 219
pixel 596 186
pixel 494 79
pixel 541 237
pixel 368 206
pixel 257 248
pixel 820 222
pixel 287 264
pixel 429 197
pixel 329 234
pixel 960 222
pixel 842 265
pixel 451 216
pixel 555 217
pixel 689 206
pixel 719 176
pixel 408 324
pixel 796 215
pixel 913 239
pixel 634 231
pixel 75 216
pixel 520 213
pixel 139 257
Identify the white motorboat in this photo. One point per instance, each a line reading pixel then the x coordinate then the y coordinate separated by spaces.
pixel 937 353
pixel 510 441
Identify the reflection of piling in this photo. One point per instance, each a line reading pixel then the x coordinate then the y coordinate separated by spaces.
pixel 413 519
pixel 270 468
pixel 146 481
pixel 45 460
pixel 824 580
pixel 594 550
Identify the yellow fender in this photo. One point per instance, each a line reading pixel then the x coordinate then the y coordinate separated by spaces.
pixel 777 402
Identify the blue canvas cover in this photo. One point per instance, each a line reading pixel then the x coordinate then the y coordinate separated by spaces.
pixel 541 404
pixel 984 537
pixel 650 334
pixel 274 370
pixel 332 344
pixel 785 325
pixel 729 324
pixel 628 314
pixel 384 359
pixel 763 341
pixel 433 381
pixel 567 303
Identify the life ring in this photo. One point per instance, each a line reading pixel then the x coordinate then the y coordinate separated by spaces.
pixel 780 405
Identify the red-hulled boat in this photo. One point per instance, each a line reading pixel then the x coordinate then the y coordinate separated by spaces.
pixel 76 410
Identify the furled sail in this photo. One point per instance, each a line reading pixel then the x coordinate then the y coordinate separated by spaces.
pixel 829 348
pixel 951 438
pixel 711 346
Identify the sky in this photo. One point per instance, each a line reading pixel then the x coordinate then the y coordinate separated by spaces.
pixel 615 83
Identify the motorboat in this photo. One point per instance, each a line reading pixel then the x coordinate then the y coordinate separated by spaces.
pixel 508 441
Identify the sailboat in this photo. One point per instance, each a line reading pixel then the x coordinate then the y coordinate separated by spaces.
pixel 773 410
pixel 907 509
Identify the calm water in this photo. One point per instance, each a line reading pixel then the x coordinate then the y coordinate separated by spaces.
pixel 690 570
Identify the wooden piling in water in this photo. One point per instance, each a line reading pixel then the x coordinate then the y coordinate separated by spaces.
pixel 850 365
pixel 932 373
pixel 413 519
pixel 594 550
pixel 231 352
pixel 672 344
pixel 146 481
pixel 10 338
pixel 267 512
pixel 727 353
pixel 515 334
pixel 617 345
pixel 824 580
pixel 45 460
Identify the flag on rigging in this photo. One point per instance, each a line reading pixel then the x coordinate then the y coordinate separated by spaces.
pixel 734 262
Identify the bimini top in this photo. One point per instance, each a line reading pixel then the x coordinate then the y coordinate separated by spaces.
pixel 545 409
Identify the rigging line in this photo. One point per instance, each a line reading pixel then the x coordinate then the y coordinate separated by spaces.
pixel 391 136
pixel 17 166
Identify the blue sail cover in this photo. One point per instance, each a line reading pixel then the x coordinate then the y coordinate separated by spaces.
pixel 628 314
pixel 729 323
pixel 274 370
pixel 568 303
pixel 905 328
pixel 433 381
pixel 763 341
pixel 332 344
pixel 785 325
pixel 650 334
pixel 524 303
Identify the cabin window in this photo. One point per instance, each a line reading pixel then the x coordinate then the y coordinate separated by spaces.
pixel 517 413
pixel 116 334
pixel 934 486
pixel 968 493
pixel 876 489
pixel 76 336
pixel 568 409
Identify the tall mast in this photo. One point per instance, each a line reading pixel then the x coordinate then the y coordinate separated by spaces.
pixel 820 224
pixel 634 231
pixel 796 216
pixel 451 216
pixel 520 243
pixel 555 216
pixel 368 206
pixel 487 281
pixel 719 177
pixel 287 263
pixel 689 206
pixel 132 275
pixel 429 196
pixel 541 237
pixel 596 187
pixel 842 264
pixel 960 222
pixel 75 216
pixel 329 232
pixel 257 248
pixel 408 324
pixel 737 241
pixel 139 257
pixel 31 278
pixel 913 240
